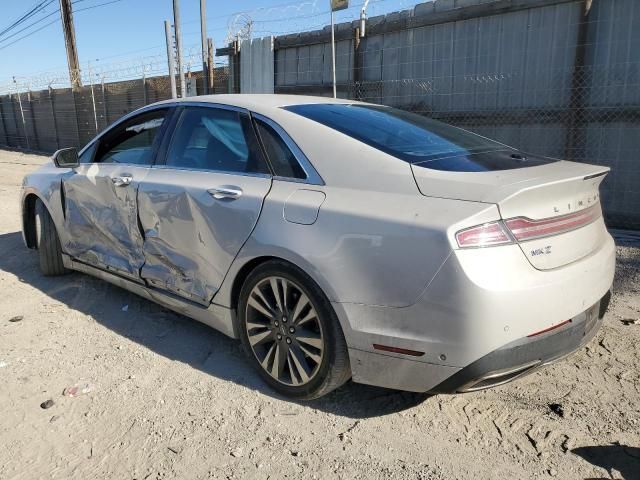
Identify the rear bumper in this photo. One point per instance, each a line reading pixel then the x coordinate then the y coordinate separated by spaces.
pixel 528 354
pixel 482 304
pixel 512 361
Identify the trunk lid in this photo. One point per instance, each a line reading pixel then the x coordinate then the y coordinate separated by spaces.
pixel 567 192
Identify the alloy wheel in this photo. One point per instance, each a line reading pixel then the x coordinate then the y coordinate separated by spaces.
pixel 284 331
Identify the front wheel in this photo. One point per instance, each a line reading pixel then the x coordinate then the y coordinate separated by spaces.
pixel 48 243
pixel 291 332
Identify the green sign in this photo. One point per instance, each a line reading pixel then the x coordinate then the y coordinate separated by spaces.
pixel 339 5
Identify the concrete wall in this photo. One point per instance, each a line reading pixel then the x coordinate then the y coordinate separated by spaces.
pixel 256 65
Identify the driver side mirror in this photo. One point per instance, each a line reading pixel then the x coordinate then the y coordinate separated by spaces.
pixel 66 158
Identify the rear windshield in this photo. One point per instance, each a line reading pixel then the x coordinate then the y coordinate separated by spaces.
pixel 416 139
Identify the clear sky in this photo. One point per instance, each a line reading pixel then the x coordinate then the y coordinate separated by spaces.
pixel 114 34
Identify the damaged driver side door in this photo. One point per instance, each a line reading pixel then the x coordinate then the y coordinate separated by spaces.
pixel 100 198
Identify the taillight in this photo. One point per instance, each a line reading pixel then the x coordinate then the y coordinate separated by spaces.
pixel 526 229
pixel 486 235
pixel 522 228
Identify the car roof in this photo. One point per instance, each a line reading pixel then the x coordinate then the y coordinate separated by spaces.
pixel 258 102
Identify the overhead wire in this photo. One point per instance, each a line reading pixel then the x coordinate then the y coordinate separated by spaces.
pixel 43 4
pixel 90 7
pixel 29 26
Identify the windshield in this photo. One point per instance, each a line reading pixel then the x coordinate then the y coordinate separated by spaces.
pixel 414 138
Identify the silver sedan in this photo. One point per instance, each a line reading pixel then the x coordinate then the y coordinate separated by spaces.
pixel 335 239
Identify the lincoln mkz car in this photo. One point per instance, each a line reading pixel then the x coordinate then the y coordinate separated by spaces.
pixel 335 239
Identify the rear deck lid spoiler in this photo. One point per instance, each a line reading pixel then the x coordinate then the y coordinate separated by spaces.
pixel 543 191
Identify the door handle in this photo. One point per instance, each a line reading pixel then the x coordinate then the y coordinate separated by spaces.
pixel 122 181
pixel 226 191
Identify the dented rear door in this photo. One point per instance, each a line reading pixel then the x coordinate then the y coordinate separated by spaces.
pixel 200 204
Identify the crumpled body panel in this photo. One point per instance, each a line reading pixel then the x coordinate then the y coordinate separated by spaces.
pixel 191 238
pixel 101 218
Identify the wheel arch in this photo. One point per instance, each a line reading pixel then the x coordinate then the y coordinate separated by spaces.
pixel 229 292
pixel 243 273
pixel 29 219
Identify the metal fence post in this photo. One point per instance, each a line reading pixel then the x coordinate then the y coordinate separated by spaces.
pixel 144 86
pixel 33 120
pixel 357 64
pixel 4 123
pixel 24 123
pixel 234 67
pixel 105 111
pixel 93 99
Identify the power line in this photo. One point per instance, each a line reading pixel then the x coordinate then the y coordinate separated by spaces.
pixel 29 34
pixel 29 26
pixel 92 6
pixel 27 15
pixel 52 22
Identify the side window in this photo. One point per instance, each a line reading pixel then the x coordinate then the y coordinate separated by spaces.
pixel 87 155
pixel 216 139
pixel 282 159
pixel 132 141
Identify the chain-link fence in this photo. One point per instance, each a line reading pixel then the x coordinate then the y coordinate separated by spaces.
pixel 46 120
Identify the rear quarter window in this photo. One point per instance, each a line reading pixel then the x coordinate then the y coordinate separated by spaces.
pixel 282 159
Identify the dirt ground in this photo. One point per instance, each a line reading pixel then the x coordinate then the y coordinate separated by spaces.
pixel 171 398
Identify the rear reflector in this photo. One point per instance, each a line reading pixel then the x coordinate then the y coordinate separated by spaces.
pixel 404 351
pixel 485 235
pixel 549 329
pixel 526 229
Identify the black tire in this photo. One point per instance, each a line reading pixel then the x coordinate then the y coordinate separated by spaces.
pixel 333 370
pixel 48 243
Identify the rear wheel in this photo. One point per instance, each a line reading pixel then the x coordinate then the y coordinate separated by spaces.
pixel 48 243
pixel 291 332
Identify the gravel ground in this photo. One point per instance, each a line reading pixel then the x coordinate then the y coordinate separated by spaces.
pixel 170 398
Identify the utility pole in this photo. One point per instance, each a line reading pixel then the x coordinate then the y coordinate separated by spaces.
pixel 176 26
pixel 210 65
pixel 203 35
pixel 333 52
pixel 172 66
pixel 66 15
